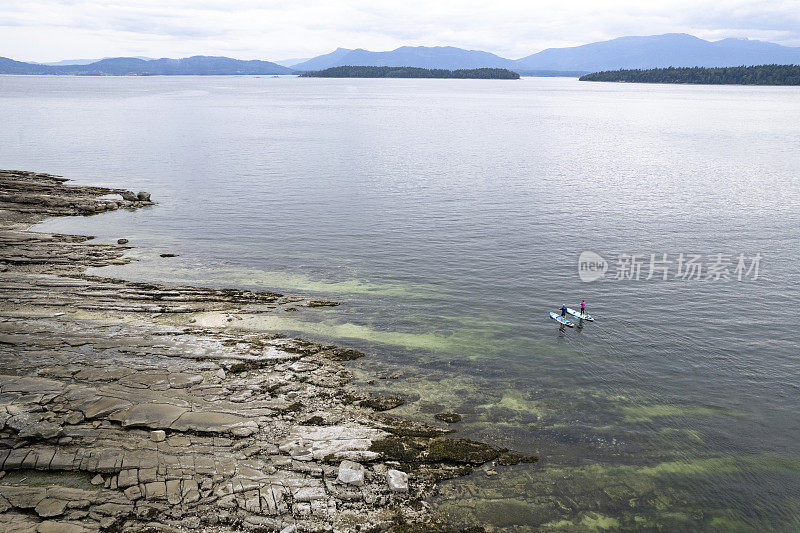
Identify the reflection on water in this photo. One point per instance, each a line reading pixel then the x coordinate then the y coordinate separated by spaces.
pixel 447 217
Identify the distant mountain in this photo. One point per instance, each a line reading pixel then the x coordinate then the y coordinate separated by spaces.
pixel 669 50
pixel 9 66
pixel 441 57
pixel 324 61
pixel 64 62
pixel 291 62
pixel 131 66
pixel 82 61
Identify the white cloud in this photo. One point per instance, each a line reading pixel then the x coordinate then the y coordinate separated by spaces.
pixel 40 30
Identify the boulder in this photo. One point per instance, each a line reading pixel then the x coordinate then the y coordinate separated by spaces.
pixel 129 196
pixel 351 473
pixel 143 196
pixel 397 480
pixel 122 241
pixel 382 402
pixel 450 418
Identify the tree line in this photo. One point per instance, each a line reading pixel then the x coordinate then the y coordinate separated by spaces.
pixel 755 75
pixel 350 71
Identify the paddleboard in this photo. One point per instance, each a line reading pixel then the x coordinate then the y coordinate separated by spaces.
pixel 577 314
pixel 561 320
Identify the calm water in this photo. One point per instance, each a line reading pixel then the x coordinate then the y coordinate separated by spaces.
pixel 448 216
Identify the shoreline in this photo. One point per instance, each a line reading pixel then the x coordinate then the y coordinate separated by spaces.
pixel 131 416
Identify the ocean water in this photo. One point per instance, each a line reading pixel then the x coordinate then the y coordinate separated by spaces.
pixel 448 217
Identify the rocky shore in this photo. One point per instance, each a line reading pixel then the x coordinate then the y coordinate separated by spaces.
pixel 121 411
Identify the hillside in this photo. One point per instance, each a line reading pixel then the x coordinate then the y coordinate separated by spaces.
pixel 444 57
pixel 131 66
pixel 657 51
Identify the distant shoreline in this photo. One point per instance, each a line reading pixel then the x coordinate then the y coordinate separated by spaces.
pixel 765 75
pixel 352 71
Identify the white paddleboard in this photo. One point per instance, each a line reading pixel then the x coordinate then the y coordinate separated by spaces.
pixel 561 320
pixel 577 314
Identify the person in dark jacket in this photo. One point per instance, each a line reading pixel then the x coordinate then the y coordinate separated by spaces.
pixel 563 311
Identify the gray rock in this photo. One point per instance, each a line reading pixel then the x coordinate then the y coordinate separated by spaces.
pixel 50 507
pixel 104 406
pixel 174 491
pixel 51 526
pixel 157 490
pixel 158 435
pixel 23 497
pixel 143 196
pixel 397 480
pixel 128 478
pixel 75 417
pixel 183 380
pixel 122 241
pixel 351 473
pixel 212 422
pixel 152 415
pixel 133 493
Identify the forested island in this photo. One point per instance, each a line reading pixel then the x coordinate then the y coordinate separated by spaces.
pixel 755 75
pixel 413 72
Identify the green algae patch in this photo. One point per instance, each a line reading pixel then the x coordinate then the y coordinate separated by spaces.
pixel 646 413
pixel 197 274
pixel 726 523
pixel 691 435
pixel 463 341
pixel 510 512
pixel 601 497
pixel 423 341
pixel 599 522
pixel 724 465
pixel 515 401
pixel 592 521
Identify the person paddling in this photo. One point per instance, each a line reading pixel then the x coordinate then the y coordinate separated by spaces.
pixel 563 311
pixel 583 307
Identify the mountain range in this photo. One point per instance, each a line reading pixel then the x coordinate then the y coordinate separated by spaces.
pixel 132 66
pixel 669 50
pixel 654 51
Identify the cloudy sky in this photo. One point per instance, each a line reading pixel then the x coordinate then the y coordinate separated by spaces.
pixel 49 30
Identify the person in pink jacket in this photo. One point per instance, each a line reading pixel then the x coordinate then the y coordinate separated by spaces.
pixel 583 307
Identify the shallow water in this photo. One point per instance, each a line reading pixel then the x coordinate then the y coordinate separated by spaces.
pixel 448 217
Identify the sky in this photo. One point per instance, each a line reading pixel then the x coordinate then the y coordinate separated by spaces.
pixel 51 30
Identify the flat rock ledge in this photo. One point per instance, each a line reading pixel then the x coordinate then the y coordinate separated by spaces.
pixel 114 418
